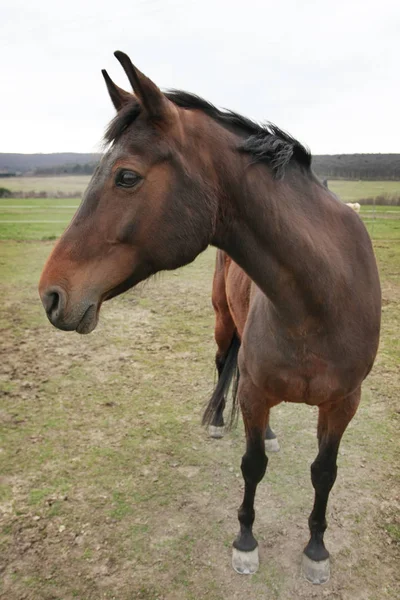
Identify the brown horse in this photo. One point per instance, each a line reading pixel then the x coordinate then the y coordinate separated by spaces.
pixel 180 175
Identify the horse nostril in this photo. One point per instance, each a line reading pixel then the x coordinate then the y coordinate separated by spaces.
pixel 53 302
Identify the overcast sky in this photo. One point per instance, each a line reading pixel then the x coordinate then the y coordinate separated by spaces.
pixel 326 71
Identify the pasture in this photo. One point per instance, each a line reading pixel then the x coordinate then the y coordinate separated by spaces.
pixel 46 218
pixel 109 486
pixel 352 191
pixel 50 185
pixel 349 191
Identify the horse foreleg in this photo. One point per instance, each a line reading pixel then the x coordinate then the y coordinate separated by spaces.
pixel 332 422
pixel 254 463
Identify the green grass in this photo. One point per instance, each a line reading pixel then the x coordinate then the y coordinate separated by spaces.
pixel 38 203
pixel 370 210
pixel 51 216
pixel 351 191
pixel 34 218
pixel 32 231
pixel 382 229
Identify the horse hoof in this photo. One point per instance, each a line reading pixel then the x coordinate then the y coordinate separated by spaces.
pixel 272 445
pixel 245 563
pixel 216 432
pixel 316 571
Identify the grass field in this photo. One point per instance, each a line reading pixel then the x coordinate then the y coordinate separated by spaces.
pixel 66 184
pixel 349 191
pixel 44 219
pixel 34 218
pixel 109 488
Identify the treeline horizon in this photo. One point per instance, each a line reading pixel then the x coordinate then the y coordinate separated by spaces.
pixel 384 167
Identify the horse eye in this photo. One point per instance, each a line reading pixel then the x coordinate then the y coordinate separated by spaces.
pixel 126 178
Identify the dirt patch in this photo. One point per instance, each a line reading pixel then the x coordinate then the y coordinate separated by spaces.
pixel 111 489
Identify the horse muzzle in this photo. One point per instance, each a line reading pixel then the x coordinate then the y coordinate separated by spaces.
pixel 81 316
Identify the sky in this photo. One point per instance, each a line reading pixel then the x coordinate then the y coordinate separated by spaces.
pixel 326 71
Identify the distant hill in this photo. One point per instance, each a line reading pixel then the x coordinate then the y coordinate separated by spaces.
pixel 331 166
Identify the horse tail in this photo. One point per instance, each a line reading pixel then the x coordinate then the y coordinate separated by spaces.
pixel 229 375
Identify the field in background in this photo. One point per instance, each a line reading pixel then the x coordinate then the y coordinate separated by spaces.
pixel 66 184
pixel 44 219
pixel 349 191
pixel 35 218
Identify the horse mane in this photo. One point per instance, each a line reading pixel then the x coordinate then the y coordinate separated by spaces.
pixel 123 119
pixel 264 142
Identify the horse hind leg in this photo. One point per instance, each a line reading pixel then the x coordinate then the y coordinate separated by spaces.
pixel 216 428
pixel 271 441
pixel 226 338
pixel 227 368
pixel 332 422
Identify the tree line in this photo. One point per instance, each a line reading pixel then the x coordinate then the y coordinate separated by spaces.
pixel 357 166
pixel 76 169
pixel 331 166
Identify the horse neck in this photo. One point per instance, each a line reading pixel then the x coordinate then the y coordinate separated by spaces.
pixel 267 229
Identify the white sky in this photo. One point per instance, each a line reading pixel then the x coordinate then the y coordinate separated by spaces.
pixel 326 71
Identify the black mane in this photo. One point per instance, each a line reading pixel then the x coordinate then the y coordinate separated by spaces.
pixel 266 143
pixel 123 119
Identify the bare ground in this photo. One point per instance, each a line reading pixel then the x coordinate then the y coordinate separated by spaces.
pixel 111 489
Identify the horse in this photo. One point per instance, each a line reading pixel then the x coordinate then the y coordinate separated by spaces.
pixel 356 206
pixel 180 175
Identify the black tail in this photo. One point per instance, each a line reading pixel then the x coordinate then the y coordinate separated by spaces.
pixel 229 374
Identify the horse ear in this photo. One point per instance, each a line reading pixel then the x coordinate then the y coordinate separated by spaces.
pixel 148 94
pixel 119 97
